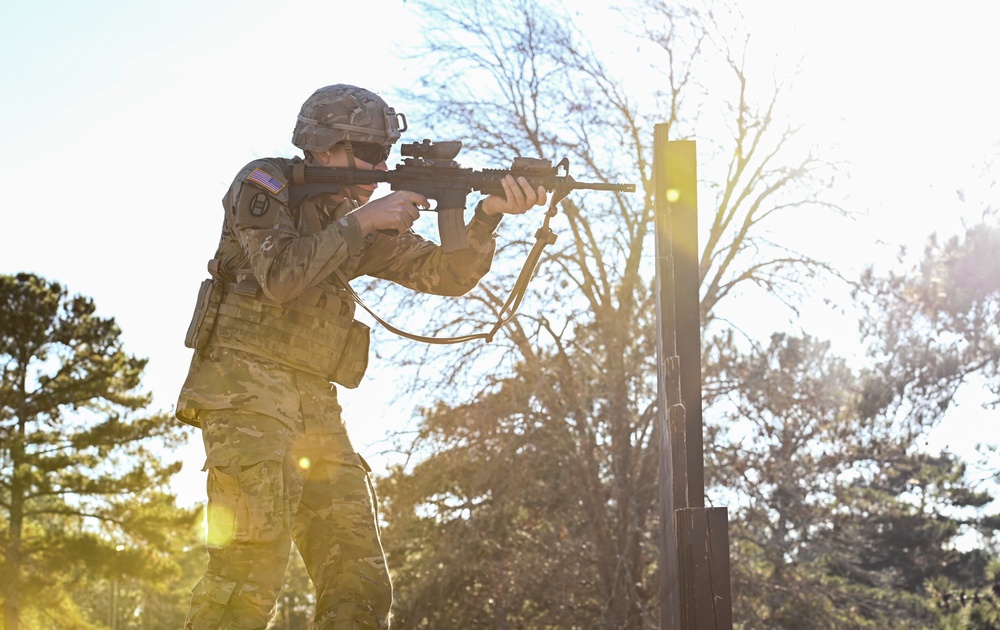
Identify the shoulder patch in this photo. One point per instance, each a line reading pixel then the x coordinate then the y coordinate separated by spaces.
pixel 258 196
pixel 255 208
pixel 258 205
pixel 266 181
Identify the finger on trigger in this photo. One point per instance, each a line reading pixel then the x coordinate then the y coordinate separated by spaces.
pixel 417 199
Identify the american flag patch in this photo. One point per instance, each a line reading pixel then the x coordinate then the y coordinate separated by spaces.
pixel 266 180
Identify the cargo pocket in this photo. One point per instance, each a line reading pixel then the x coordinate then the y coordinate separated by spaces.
pixel 215 590
pixel 245 504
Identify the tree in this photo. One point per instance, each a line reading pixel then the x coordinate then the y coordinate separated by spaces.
pixel 82 489
pixel 842 519
pixel 554 450
pixel 933 330
pixel 963 608
pixel 576 368
pixel 506 523
pixel 937 323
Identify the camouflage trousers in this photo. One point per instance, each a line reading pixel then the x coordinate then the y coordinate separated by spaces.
pixel 267 486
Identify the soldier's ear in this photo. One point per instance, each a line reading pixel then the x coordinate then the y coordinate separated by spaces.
pixel 322 157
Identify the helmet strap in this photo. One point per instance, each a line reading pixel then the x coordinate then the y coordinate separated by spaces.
pixel 349 150
pixel 351 191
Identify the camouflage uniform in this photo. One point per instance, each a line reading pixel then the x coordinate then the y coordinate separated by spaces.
pixel 280 464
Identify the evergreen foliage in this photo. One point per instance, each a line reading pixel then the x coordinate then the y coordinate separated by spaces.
pixel 83 491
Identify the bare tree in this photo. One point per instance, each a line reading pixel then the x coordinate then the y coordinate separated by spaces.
pixel 521 79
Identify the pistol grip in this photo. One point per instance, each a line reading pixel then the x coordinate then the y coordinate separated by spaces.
pixel 451 227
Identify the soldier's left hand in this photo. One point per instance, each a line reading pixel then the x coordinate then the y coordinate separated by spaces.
pixel 518 197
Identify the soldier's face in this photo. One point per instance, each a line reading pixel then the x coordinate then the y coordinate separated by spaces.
pixel 337 158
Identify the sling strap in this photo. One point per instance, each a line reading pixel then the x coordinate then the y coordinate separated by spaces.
pixel 543 236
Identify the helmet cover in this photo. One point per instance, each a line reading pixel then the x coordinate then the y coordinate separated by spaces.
pixel 336 113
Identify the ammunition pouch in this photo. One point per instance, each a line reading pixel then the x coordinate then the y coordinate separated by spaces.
pixel 354 362
pixel 205 311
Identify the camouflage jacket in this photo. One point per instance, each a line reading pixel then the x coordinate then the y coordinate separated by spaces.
pixel 285 254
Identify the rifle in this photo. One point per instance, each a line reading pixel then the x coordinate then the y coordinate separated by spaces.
pixel 430 169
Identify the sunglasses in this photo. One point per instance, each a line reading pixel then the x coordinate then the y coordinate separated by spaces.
pixel 370 152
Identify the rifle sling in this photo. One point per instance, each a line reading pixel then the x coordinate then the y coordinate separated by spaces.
pixel 544 236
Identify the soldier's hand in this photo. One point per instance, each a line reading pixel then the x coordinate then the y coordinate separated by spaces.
pixel 396 212
pixel 518 197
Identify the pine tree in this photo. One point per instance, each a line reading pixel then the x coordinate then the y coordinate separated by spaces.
pixel 82 492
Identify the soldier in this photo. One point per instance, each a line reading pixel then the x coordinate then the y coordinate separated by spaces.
pixel 274 328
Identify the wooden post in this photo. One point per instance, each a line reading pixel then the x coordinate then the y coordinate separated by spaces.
pixel 670 414
pixel 681 159
pixel 695 588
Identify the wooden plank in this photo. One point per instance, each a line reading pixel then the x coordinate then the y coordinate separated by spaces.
pixel 668 393
pixel 681 157
pixel 703 553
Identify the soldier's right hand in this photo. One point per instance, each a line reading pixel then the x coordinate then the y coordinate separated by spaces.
pixel 395 212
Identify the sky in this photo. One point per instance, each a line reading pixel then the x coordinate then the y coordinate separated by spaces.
pixel 122 124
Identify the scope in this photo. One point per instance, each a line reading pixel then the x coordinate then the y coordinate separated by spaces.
pixel 428 150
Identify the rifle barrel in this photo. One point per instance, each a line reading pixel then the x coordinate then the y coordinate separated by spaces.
pixel 599 186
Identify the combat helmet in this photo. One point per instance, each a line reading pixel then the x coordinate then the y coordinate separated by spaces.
pixel 336 113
